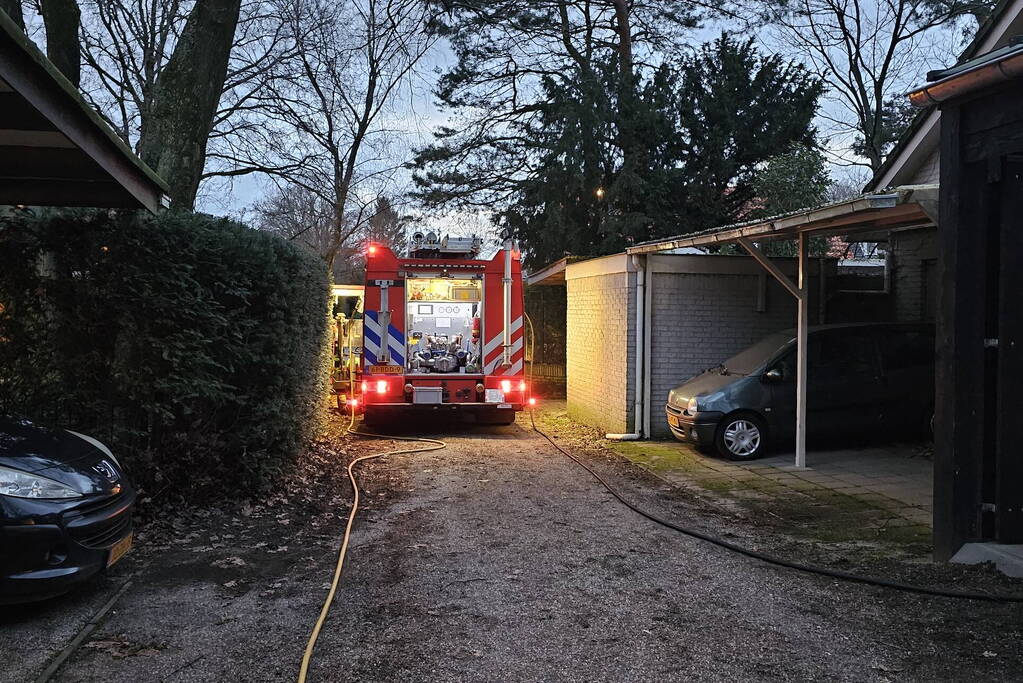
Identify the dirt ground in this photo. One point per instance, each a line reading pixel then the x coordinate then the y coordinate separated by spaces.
pixel 498 558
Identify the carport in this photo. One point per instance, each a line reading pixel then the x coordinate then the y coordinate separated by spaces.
pixel 903 207
pixel 55 150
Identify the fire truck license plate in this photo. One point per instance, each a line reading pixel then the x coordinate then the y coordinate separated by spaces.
pixel 385 369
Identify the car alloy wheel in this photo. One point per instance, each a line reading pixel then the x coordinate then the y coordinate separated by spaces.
pixel 742 438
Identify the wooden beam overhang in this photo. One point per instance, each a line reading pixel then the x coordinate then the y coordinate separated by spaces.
pixel 907 206
pixel 552 274
pixel 55 150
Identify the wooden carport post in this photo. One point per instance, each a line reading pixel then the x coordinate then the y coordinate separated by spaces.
pixel 801 292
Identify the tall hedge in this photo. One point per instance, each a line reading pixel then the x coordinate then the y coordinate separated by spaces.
pixel 194 346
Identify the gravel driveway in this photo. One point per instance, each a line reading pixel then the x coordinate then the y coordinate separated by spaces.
pixel 499 559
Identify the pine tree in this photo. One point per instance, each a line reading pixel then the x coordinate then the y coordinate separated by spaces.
pixel 701 131
pixel 386 227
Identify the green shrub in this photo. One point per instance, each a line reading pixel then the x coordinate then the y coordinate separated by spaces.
pixel 194 346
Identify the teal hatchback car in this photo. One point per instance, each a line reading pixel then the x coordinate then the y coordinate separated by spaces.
pixel 871 378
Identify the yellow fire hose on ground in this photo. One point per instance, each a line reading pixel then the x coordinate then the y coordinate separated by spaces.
pixel 429 445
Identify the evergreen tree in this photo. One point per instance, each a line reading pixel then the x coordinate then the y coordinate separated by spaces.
pixel 699 132
pixel 737 109
pixel 386 227
pixel 896 116
pixel 796 179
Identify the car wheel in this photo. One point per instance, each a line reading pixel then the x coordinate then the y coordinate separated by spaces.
pixel 741 437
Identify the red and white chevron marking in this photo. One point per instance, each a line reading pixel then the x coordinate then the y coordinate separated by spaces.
pixel 493 351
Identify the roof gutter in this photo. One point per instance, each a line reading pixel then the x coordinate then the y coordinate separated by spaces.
pixel 957 85
pixel 786 225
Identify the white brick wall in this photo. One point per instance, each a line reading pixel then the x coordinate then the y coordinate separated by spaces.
pixel 703 311
pixel 599 365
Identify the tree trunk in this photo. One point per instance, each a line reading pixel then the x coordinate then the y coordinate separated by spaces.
pixel 624 29
pixel 627 96
pixel 185 98
pixel 62 19
pixel 13 10
pixel 872 150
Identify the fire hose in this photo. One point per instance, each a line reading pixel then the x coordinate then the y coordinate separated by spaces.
pixel 430 445
pixel 755 554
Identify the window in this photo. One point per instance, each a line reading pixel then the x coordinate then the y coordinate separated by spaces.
pixel 905 349
pixel 863 268
pixel 842 354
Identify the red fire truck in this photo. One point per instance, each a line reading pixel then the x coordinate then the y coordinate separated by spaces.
pixel 443 332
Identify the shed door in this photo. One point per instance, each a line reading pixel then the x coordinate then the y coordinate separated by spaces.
pixel 1009 400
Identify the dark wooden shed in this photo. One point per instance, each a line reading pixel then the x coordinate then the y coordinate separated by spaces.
pixel 978 466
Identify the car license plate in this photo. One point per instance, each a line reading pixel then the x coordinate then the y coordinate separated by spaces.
pixel 385 369
pixel 119 549
pixel 673 421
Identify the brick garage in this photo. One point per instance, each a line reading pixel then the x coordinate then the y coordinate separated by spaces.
pixel 703 309
pixel 600 336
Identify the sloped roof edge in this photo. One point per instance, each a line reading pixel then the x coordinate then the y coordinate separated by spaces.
pixel 921 127
pixel 34 59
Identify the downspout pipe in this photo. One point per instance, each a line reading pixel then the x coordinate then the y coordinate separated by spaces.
pixel 507 286
pixel 648 356
pixel 638 263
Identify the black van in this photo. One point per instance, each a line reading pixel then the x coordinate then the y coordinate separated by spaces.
pixel 862 379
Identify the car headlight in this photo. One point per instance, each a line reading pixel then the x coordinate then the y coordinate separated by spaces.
pixel 27 485
pixel 692 406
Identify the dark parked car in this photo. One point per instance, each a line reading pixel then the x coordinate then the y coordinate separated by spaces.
pixel 65 510
pixel 862 379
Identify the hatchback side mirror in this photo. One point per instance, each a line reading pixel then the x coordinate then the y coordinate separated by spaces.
pixel 774 375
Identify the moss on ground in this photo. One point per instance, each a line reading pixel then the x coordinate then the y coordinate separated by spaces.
pixel 799 507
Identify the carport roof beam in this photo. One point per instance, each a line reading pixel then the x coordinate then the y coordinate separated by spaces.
pixel 763 260
pixel 902 207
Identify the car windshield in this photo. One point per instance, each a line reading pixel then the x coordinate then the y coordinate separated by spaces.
pixel 745 362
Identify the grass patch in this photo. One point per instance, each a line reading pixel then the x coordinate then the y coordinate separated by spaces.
pixel 660 456
pixel 799 507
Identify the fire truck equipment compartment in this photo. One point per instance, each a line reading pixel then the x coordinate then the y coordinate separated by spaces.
pixel 427 395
